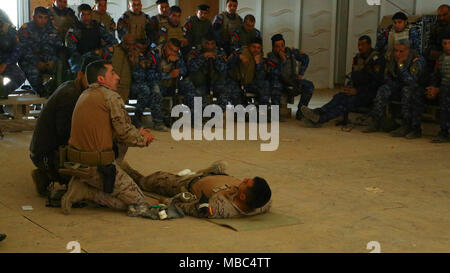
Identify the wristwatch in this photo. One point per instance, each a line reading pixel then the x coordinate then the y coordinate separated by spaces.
pixel 401 65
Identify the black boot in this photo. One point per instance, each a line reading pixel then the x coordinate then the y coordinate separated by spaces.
pixel 442 137
pixel 41 181
pixel 374 126
pixel 402 131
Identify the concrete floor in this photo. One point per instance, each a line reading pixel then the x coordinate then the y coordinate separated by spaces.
pixel 321 176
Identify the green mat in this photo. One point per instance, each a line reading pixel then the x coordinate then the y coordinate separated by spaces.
pixel 262 221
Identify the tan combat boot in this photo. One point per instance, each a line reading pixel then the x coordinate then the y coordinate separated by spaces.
pixel 76 192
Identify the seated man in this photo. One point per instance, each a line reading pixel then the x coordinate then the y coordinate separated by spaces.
pixel 440 28
pixel 403 73
pixel 53 130
pixel 87 38
pixel 216 194
pixel 39 44
pixel 9 55
pixel 207 67
pixel 246 68
pixel 162 72
pixel 441 85
pixel 245 33
pixel 366 77
pixel 399 30
pixel 287 76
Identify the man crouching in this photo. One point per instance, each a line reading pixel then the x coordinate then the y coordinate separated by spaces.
pixel 209 193
pixel 99 120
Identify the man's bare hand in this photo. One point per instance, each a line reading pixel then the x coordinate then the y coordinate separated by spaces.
pixel 350 91
pixel 282 55
pixel 211 55
pixel 175 73
pixel 432 92
pixel 173 58
pixel 184 42
pixel 244 59
pixel 258 59
pixel 2 68
pixel 147 134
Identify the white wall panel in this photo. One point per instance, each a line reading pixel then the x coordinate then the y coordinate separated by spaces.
pixel 281 16
pixel 363 20
pixel 318 33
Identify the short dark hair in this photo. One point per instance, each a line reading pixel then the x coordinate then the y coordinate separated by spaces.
pixel 400 16
pixel 96 1
pixel 88 60
pixel 175 9
pixel 159 2
pixel 367 38
pixel 95 69
pixel 249 18
pixel 231 1
pixel 40 10
pixel 277 37
pixel 83 7
pixel 175 42
pixel 259 194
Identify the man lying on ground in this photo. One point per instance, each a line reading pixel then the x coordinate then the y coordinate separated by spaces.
pixel 208 193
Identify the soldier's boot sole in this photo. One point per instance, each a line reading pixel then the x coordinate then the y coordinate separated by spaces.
pixel 414 135
pixel 41 182
pixel 400 132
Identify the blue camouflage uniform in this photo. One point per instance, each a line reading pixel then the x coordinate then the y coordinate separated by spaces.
pixel 9 55
pixel 441 79
pixel 83 41
pixel 207 74
pixel 255 82
pixel 154 72
pixel 286 76
pixel 366 77
pixel 410 33
pixel 223 26
pixel 37 45
pixel 402 84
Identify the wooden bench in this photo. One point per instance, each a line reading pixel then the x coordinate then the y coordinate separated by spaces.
pixel 20 112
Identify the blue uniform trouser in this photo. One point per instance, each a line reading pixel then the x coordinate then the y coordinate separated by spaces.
pixel 342 104
pixel 444 103
pixel 34 76
pixel 16 77
pixel 262 89
pixel 232 93
pixel 411 98
pixel 147 95
pixel 304 88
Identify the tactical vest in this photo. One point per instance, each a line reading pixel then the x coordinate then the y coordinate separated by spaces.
pixel 229 26
pixel 61 23
pixel 361 62
pixel 198 29
pixel 246 37
pixel 136 25
pixel 90 39
pixel 392 68
pixel 173 32
pixel 122 67
pixel 444 69
pixel 289 70
pixel 395 37
pixel 244 73
pixel 106 20
pixel 163 21
pixel 165 67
